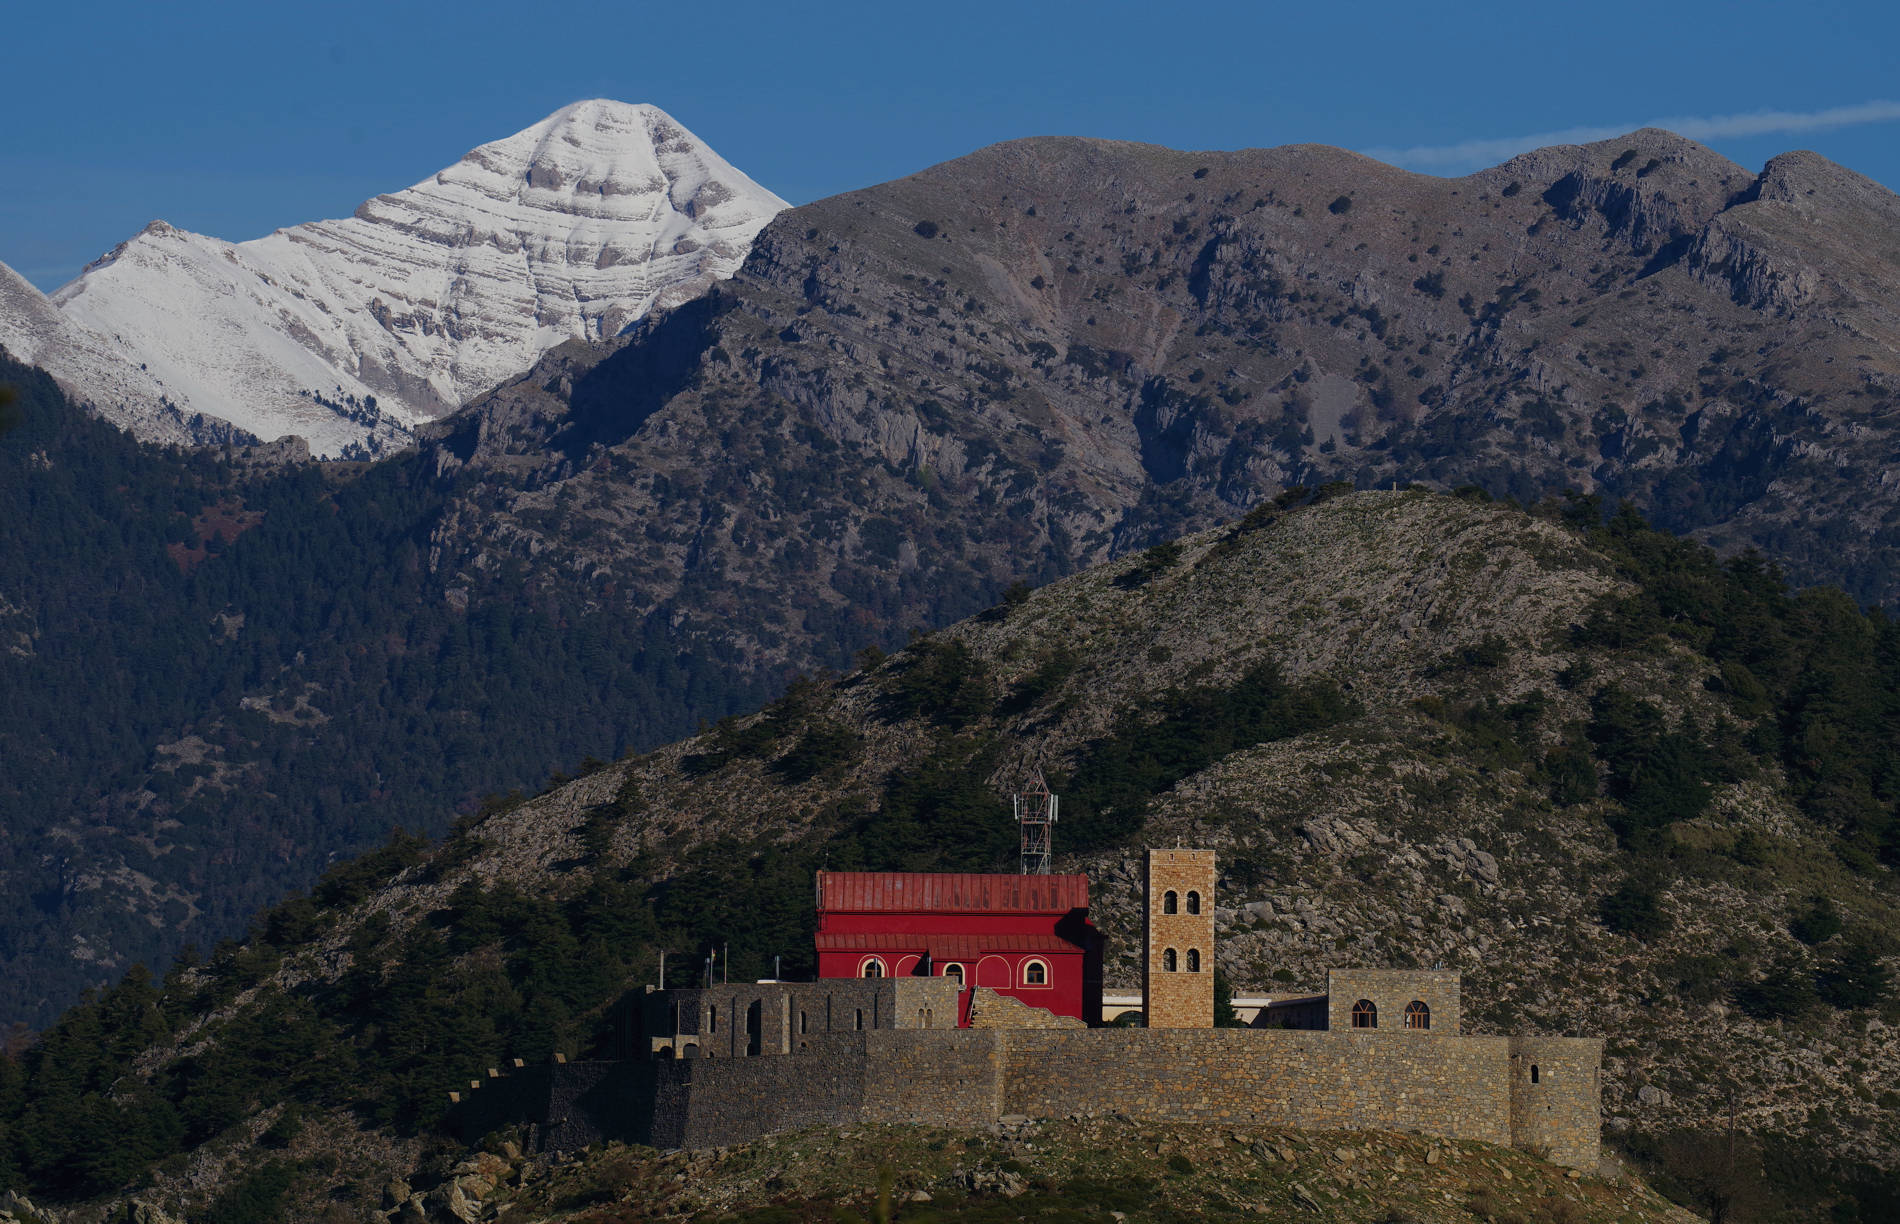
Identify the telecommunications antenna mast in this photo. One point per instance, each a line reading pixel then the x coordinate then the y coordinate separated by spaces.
pixel 1036 816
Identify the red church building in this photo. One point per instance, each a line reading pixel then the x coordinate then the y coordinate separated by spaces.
pixel 1025 936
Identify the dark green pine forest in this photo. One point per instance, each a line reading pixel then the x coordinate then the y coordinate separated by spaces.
pixel 217 678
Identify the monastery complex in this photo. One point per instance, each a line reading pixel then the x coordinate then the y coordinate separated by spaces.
pixel 960 999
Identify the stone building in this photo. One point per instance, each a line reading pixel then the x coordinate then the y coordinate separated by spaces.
pixel 1177 964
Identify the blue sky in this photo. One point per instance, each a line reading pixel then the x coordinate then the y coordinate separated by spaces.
pixel 234 119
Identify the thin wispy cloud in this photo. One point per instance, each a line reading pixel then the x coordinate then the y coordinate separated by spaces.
pixel 1468 154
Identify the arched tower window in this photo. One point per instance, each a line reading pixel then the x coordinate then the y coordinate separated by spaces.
pixel 1194 903
pixel 954 973
pixel 872 968
pixel 1417 1015
pixel 1170 904
pixel 1365 1014
pixel 1533 1073
pixel 712 1019
pixel 860 1018
pixel 1035 973
pixel 1194 957
pixel 1167 961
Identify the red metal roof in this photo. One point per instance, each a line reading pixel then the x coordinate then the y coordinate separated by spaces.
pixel 941 947
pixel 950 892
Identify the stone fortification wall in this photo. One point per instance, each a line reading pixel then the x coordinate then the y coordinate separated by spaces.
pixel 1455 1087
pixel 740 1020
pixel 1556 1095
pixel 569 1105
pixel 944 1077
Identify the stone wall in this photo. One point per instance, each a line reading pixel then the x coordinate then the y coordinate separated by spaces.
pixel 1556 1090
pixel 1392 990
pixel 946 1078
pixel 1451 1086
pixel 739 1020
pixel 1437 1084
pixel 990 1010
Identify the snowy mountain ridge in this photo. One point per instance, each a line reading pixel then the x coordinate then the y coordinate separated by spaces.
pixel 350 331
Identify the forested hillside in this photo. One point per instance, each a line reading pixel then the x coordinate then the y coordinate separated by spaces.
pixel 1624 787
pixel 219 675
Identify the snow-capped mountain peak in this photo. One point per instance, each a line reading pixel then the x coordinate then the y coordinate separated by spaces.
pixel 348 331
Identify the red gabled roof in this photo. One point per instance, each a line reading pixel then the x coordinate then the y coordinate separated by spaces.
pixel 950 892
pixel 941 947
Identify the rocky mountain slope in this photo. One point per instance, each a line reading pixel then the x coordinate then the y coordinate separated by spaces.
pixel 1576 763
pixel 33 331
pixel 349 331
pixel 881 423
pixel 1068 347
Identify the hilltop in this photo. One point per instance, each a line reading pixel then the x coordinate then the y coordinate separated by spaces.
pixel 1571 760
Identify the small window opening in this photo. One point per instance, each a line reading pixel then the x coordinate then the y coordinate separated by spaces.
pixel 954 973
pixel 1035 973
pixel 804 1023
pixel 712 1019
pixel 1194 903
pixel 1533 1073
pixel 1170 904
pixel 860 1019
pixel 1194 960
pixel 874 968
pixel 1365 1014
pixel 1417 1015
pixel 1167 961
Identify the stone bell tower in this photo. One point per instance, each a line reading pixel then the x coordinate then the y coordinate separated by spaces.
pixel 1177 968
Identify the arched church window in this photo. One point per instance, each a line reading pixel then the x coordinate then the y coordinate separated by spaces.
pixel 954 973
pixel 873 968
pixel 1170 904
pixel 1365 1014
pixel 1167 960
pixel 1194 960
pixel 1417 1015
pixel 1194 903
pixel 1035 973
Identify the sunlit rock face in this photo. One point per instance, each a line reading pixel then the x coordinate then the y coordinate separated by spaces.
pixel 572 228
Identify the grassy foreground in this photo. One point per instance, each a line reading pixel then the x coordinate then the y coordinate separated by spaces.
pixel 1107 1169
